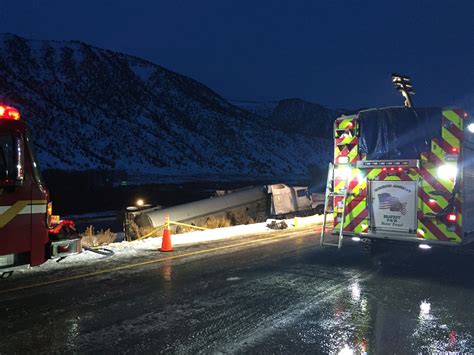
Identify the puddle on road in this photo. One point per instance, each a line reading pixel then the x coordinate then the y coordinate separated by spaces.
pixel 391 319
pixel 383 314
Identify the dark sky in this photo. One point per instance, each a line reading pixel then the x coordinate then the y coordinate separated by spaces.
pixel 338 53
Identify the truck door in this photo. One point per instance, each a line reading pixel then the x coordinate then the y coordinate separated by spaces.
pixel 15 198
pixel 393 206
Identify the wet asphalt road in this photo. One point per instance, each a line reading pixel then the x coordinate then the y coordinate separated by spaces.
pixel 283 296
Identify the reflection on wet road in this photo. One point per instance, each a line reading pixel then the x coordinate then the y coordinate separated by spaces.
pixel 285 296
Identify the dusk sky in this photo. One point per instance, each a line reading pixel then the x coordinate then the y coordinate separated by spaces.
pixel 337 53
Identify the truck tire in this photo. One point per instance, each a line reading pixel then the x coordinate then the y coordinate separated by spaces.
pixel 319 209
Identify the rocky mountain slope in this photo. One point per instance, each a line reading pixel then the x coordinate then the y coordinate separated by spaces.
pixel 295 115
pixel 92 108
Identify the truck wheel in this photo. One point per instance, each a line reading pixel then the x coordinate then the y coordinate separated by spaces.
pixel 370 248
pixel 319 209
pixel 6 274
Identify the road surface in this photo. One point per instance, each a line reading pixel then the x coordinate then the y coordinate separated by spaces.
pixel 280 295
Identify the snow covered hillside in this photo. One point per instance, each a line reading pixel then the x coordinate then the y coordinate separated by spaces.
pixel 92 108
pixel 295 115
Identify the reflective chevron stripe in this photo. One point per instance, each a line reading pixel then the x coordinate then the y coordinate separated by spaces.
pixel 430 202
pixel 7 213
pixel 434 193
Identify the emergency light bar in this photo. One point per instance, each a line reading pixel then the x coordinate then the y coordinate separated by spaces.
pixel 9 113
pixel 409 163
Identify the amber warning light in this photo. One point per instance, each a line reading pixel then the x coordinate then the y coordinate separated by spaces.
pixel 9 113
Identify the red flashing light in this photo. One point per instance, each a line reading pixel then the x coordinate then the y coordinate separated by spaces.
pixel 465 114
pixel 392 169
pixel 400 169
pixel 384 169
pixel 9 113
pixel 452 217
pixel 454 150
pixel 350 125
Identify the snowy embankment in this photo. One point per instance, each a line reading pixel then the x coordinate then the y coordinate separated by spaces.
pixel 143 247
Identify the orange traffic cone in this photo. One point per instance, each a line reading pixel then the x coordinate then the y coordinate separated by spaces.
pixel 166 242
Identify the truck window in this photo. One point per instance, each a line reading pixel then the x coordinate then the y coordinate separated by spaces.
pixel 302 193
pixel 7 157
pixel 34 164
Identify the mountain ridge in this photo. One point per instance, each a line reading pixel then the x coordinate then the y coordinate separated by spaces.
pixel 93 108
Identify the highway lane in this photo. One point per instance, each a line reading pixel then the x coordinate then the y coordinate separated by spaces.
pixel 275 296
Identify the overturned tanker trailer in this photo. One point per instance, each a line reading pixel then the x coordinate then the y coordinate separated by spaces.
pixel 247 205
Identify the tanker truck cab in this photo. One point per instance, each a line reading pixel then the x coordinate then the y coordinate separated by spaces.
pixel 25 211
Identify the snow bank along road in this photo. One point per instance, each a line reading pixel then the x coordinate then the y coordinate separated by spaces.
pixel 126 251
pixel 283 294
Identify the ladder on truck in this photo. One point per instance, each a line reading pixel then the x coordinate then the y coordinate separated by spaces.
pixel 330 209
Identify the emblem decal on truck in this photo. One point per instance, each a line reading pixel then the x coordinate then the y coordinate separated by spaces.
pixel 392 203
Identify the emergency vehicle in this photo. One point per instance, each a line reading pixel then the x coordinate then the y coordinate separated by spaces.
pixel 28 235
pixel 403 174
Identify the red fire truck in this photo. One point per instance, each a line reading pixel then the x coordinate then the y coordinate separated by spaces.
pixel 403 174
pixel 27 233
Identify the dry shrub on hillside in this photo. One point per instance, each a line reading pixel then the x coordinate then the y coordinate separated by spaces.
pixel 92 238
pixel 217 222
pixel 237 217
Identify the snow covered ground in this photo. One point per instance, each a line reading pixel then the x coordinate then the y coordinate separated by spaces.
pixel 143 247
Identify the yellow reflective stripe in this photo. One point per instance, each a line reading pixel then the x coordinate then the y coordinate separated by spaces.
pixel 38 202
pixel 17 208
pixel 9 214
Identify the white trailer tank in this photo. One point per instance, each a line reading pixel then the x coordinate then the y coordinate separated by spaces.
pixel 251 201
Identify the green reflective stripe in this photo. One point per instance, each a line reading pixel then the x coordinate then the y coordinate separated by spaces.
pixel 453 117
pixel 347 140
pixel 392 178
pixel 344 123
pixel 354 213
pixel 373 173
pixel 428 235
pixel 359 229
pixel 450 138
pixel 446 183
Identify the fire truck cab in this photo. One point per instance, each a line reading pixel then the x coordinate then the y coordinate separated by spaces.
pixel 26 236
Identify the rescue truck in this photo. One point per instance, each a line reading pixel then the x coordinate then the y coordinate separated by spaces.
pixel 28 233
pixel 402 174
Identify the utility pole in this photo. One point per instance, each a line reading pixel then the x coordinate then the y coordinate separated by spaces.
pixel 402 83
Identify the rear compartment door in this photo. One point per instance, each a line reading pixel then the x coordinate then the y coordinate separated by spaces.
pixel 393 205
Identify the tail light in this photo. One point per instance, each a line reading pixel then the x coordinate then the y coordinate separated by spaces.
pixel 49 213
pixel 451 217
pixel 63 248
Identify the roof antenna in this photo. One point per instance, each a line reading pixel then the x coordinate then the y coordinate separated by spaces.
pixel 402 83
